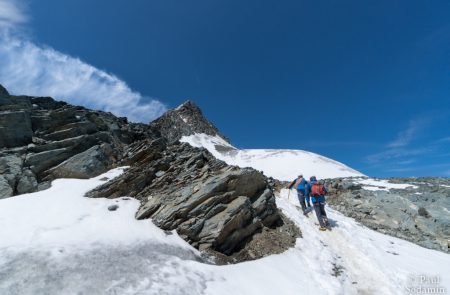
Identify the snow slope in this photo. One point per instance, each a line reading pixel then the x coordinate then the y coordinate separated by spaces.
pixel 283 165
pixel 57 242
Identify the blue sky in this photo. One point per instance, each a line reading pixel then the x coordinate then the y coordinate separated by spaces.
pixel 366 83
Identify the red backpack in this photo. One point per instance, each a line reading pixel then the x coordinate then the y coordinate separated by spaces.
pixel 318 189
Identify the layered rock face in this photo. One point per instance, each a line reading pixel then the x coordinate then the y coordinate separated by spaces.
pixel 223 210
pixel 41 139
pixel 215 207
pixel 418 214
pixel 15 120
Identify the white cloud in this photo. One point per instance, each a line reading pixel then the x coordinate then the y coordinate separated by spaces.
pixel 394 154
pixel 406 136
pixel 26 68
pixel 11 14
pixel 443 140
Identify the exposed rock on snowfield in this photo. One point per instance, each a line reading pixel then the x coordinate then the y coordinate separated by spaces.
pixel 177 174
pixel 215 207
pixel 414 209
pixel 224 210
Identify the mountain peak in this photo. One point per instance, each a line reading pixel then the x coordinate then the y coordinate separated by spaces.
pixel 188 104
pixel 187 119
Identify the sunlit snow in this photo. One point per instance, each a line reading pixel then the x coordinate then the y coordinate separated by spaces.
pixel 58 242
pixel 280 164
pixel 382 184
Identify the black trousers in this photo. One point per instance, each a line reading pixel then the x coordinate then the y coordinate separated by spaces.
pixel 319 207
pixel 301 198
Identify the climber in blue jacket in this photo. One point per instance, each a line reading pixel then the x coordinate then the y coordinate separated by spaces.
pixel 300 184
pixel 317 191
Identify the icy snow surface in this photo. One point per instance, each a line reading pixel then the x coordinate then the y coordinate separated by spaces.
pixel 382 184
pixel 280 164
pixel 58 242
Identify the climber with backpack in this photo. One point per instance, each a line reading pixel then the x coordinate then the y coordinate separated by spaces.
pixel 317 191
pixel 300 184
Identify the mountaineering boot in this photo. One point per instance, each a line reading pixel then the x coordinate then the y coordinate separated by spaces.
pixel 322 228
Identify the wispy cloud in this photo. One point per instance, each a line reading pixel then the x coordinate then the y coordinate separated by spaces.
pixel 441 169
pixel 26 68
pixel 398 154
pixel 443 140
pixel 409 134
pixel 399 150
pixel 406 162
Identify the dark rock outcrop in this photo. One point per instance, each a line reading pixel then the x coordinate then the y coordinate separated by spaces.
pixel 15 120
pixel 5 189
pixel 27 182
pixel 215 207
pixel 418 214
pixel 42 139
pixel 87 164
pixel 10 173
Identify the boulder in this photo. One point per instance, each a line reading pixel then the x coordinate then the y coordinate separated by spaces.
pixel 92 162
pixel 11 168
pixel 5 189
pixel 39 162
pixel 27 182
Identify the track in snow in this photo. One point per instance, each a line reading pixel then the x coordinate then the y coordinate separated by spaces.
pixel 57 242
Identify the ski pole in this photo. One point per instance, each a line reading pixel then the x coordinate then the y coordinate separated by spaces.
pixel 289 192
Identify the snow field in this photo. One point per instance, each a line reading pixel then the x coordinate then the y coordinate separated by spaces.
pixel 58 242
pixel 283 165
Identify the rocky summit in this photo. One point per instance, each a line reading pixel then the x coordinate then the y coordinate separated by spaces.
pixel 187 119
pixel 222 210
